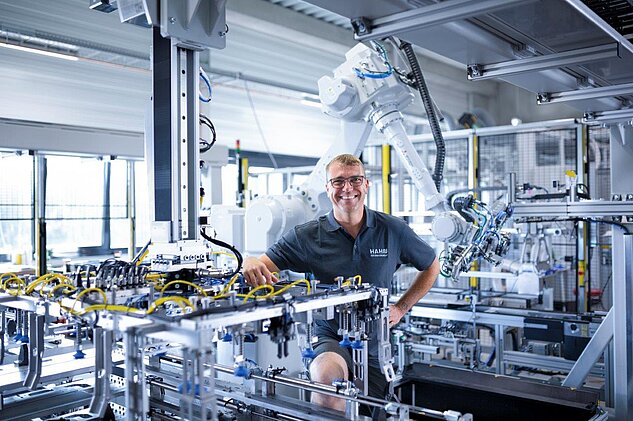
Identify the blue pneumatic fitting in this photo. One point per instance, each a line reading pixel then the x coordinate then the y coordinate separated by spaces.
pixel 23 339
pixel 345 343
pixel 357 344
pixel 308 353
pixel 240 371
pixel 227 337
pixel 79 354
pixel 186 388
pixel 17 337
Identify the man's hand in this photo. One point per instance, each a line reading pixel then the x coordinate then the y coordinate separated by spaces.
pixel 256 273
pixel 395 314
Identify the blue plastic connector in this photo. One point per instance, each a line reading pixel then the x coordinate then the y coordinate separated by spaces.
pixel 357 344
pixel 23 339
pixel 240 371
pixel 227 337
pixel 187 387
pixel 79 354
pixel 345 343
pixel 308 353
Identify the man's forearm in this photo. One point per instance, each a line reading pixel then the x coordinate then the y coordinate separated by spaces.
pixel 420 286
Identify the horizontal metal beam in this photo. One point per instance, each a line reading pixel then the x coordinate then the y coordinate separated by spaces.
pixel 467 316
pixel 427 16
pixel 547 61
pixel 66 139
pixel 582 94
pixel 544 362
pixel 586 209
pixel 613 116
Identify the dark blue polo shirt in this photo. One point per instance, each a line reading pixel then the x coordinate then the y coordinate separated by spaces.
pixel 325 249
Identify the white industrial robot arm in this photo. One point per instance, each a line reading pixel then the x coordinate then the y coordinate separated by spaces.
pixel 364 93
pixel 364 88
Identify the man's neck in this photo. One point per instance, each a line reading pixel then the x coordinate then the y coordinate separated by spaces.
pixel 351 222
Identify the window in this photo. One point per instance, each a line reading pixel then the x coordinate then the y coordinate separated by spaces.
pixel 16 207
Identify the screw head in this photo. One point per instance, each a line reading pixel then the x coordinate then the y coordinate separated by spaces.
pixel 172 20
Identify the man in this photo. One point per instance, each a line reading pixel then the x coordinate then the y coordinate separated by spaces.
pixel 350 240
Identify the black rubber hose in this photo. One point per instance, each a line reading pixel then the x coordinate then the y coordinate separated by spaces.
pixel 438 172
pixel 460 204
pixel 237 254
pixel 450 195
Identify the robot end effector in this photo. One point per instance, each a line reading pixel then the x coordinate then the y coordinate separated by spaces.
pixel 365 88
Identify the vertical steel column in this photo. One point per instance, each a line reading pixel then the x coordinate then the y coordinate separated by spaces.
pixel 175 140
pixel 500 331
pixel 473 183
pixel 242 183
pixel 131 208
pixel 136 406
pixel 621 138
pixel 39 212
pixel 189 386
pixel 623 324
pixel 189 128
pixel 581 241
pixel 208 399
pixel 105 225
pixel 386 179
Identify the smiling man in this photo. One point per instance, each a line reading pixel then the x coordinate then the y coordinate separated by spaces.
pixel 348 241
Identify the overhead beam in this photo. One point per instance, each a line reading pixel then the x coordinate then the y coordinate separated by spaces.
pixel 600 23
pixel 582 94
pixel 614 116
pixel 547 61
pixel 65 139
pixel 425 17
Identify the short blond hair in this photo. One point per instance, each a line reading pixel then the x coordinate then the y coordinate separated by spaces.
pixel 345 160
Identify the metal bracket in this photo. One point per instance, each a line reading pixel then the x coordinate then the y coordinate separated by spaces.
pixel 103 369
pixel 196 24
pixel 36 350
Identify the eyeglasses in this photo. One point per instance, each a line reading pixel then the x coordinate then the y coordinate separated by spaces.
pixel 354 181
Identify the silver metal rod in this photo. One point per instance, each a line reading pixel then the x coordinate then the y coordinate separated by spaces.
pixel 512 187
pixel 608 116
pixel 331 391
pixel 539 63
pixel 318 388
pixel 583 94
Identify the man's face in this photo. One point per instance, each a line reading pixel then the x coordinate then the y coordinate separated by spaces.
pixel 349 197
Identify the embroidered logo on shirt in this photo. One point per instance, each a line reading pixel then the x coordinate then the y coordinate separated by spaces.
pixel 378 252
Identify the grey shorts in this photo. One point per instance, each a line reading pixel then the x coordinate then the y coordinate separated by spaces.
pixel 376 382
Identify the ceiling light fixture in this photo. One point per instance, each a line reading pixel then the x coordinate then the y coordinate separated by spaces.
pixel 38 51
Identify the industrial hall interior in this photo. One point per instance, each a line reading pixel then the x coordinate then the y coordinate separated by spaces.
pixel 316 210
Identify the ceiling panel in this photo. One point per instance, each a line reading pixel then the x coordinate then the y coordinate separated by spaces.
pixel 110 86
